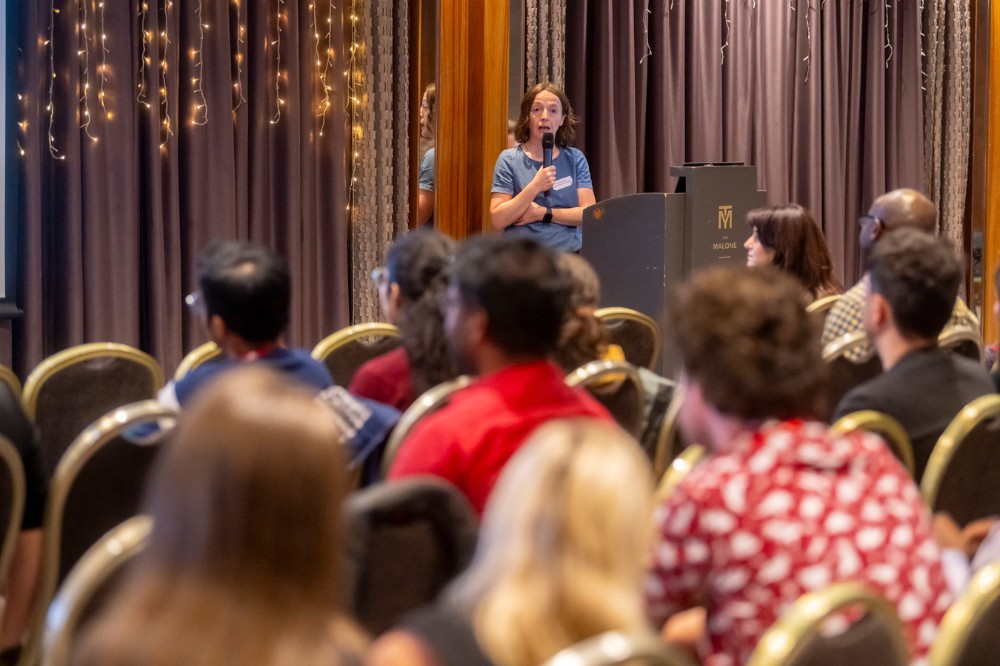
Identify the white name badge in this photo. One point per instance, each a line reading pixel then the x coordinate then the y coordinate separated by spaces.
pixel 562 183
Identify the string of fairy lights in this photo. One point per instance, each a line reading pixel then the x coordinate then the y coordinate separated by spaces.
pixel 158 60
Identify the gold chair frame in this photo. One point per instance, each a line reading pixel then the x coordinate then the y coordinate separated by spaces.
pixel 824 304
pixel 678 469
pixel 872 421
pixel 781 643
pixel 194 358
pixel 430 401
pixel 609 314
pixel 12 461
pixel 840 346
pixel 615 647
pixel 980 409
pixel 53 364
pixel 88 576
pixel 330 343
pixel 952 336
pixel 82 449
pixel 590 375
pixel 961 619
pixel 8 377
pixel 668 433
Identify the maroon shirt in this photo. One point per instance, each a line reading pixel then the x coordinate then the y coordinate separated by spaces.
pixel 387 379
pixel 470 440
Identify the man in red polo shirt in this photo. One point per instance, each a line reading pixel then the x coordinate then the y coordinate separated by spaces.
pixel 504 310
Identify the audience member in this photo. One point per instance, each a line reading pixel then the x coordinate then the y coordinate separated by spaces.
pixel 410 288
pixel 782 507
pixel 244 293
pixel 584 339
pixel 913 281
pixel 787 237
pixel 894 210
pixel 504 309
pixel 245 561
pixel 559 557
pixel 23 573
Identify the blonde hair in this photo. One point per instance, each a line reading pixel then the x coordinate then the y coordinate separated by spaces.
pixel 244 562
pixel 562 547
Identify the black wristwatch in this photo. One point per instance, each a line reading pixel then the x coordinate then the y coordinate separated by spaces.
pixel 548 214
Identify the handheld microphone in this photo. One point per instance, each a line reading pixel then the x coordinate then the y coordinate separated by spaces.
pixel 548 142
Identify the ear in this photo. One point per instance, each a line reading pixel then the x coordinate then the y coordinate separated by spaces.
pixel 477 324
pixel 880 313
pixel 217 329
pixel 394 297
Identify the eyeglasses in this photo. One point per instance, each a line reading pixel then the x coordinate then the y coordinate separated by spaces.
pixel 378 274
pixel 865 220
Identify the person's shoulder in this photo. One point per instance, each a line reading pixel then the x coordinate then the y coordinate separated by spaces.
pixel 299 364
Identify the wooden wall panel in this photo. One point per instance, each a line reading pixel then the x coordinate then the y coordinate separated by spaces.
pixel 992 189
pixel 472 98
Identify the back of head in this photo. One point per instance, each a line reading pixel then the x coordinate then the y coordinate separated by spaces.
pixel 518 285
pixel 419 263
pixel 905 208
pixel 584 337
pixel 248 287
pixel 798 245
pixel 246 509
pixel 560 556
pixel 919 276
pixel 747 341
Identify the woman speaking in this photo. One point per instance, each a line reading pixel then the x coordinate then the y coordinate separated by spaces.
pixel 537 201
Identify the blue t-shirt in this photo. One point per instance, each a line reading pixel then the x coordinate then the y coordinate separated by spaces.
pixel 294 363
pixel 426 176
pixel 514 170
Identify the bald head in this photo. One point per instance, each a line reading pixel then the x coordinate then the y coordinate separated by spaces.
pixel 905 208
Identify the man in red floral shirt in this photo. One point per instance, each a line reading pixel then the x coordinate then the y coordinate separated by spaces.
pixel 782 508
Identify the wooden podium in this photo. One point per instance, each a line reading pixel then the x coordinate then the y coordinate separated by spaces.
pixel 642 244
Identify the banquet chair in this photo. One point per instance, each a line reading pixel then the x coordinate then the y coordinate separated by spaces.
pixel 963 341
pixel 670 441
pixel 73 388
pixel 822 306
pixel 798 637
pixel 845 374
pixel 348 349
pixel 678 469
pixel 429 402
pixel 883 425
pixel 12 491
pixel 407 540
pixel 614 647
pixel 206 353
pixel 963 472
pixel 637 334
pixel 8 377
pixel 618 387
pixel 968 633
pixel 97 485
pixel 89 585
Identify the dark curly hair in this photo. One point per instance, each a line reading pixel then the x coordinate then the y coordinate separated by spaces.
pixel 418 264
pixel 583 338
pixel 745 338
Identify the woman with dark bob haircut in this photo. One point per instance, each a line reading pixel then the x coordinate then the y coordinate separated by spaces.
pixel 245 560
pixel 787 237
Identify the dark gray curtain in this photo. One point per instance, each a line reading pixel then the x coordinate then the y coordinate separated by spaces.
pixel 110 230
pixel 800 89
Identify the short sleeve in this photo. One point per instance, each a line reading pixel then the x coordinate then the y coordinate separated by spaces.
pixel 583 180
pixel 503 175
pixel 426 175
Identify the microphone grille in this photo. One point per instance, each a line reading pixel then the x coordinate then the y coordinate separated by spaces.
pixel 548 140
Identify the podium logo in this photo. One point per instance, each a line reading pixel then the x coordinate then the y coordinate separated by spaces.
pixel 725 217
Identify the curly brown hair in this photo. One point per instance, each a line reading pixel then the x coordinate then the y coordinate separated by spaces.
pixel 745 338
